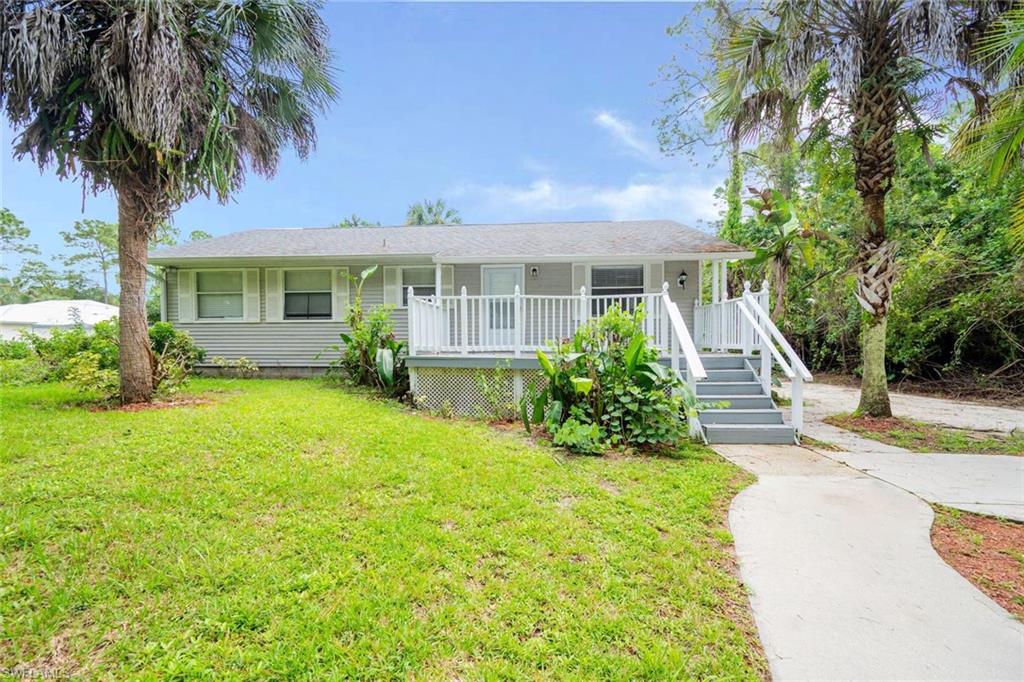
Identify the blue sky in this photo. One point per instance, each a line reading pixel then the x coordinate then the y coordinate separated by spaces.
pixel 511 112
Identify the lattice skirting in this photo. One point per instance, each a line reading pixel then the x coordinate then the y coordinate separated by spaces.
pixel 458 388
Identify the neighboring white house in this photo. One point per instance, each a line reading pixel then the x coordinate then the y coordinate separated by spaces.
pixel 44 316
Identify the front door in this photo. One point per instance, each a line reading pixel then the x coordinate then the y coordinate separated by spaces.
pixel 500 313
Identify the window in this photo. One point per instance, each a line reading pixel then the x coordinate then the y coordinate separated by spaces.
pixel 616 280
pixel 220 295
pixel 421 280
pixel 307 294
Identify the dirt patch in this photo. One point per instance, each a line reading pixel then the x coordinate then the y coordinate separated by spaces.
pixel 987 551
pixel 155 405
pixel 927 437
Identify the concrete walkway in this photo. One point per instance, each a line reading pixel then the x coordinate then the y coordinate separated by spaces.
pixel 845 583
pixel 984 484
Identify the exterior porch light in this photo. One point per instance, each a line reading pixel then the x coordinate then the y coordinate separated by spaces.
pixel 681 280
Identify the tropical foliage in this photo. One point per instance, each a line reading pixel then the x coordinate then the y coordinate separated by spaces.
pixel 370 354
pixel 432 213
pixel 160 102
pixel 606 388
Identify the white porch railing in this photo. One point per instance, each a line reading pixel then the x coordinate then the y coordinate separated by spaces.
pixel 517 323
pixel 720 326
pixel 772 345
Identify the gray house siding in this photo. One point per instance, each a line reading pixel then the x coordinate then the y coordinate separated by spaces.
pixel 296 343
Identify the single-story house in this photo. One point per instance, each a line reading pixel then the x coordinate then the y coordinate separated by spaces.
pixel 468 298
pixel 42 317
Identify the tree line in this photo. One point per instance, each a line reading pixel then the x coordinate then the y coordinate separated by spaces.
pixel 878 146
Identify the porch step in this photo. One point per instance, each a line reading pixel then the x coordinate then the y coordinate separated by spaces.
pixel 741 416
pixel 718 375
pixel 716 388
pixel 730 361
pixel 749 433
pixel 742 402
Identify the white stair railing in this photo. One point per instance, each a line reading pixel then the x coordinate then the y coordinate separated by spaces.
pixel 681 341
pixel 773 345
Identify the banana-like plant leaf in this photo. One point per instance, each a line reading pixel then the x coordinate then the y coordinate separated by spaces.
pixel 545 363
pixel 368 272
pixel 633 351
pixel 582 384
pixel 385 362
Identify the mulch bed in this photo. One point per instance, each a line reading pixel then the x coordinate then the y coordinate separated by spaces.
pixel 987 551
pixel 155 405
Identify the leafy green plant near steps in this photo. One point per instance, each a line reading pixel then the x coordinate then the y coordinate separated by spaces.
pixel 370 354
pixel 608 379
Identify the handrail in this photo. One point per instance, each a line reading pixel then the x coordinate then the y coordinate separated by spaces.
pixel 694 366
pixel 766 338
pixel 766 319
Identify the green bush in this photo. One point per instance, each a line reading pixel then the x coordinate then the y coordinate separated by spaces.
pixel 14 349
pixel 84 372
pixel 21 371
pixel 608 379
pixel 370 354
pixel 580 437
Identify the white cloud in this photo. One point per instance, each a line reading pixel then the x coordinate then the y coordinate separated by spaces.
pixel 625 133
pixel 662 196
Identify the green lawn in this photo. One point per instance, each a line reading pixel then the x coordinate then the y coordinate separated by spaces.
pixel 289 529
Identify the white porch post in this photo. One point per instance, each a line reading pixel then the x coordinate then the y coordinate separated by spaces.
pixel 747 328
pixel 463 321
pixel 724 285
pixel 516 321
pixel 441 332
pixel 797 402
pixel 412 323
pixel 714 282
pixel 700 283
pixel 663 315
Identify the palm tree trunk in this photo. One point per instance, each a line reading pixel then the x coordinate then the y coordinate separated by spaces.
pixel 780 277
pixel 875 276
pixel 136 359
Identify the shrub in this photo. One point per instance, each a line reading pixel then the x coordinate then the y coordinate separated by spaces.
pixel 370 354
pixel 609 380
pixel 21 371
pixel 84 372
pixel 492 386
pixel 577 436
pixel 243 367
pixel 14 349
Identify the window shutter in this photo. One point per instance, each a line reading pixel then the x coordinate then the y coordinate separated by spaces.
pixel 275 295
pixel 447 280
pixel 186 298
pixel 393 286
pixel 655 277
pixel 251 290
pixel 340 303
pixel 579 277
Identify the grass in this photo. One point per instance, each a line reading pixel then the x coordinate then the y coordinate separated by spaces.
pixel 925 437
pixel 291 530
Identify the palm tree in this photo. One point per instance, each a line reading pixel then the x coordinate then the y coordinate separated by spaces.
pixel 432 213
pixel 993 136
pixel 356 221
pixel 874 51
pixel 160 102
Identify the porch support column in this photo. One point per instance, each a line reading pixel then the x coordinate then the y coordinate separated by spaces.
pixel 723 287
pixel 437 279
pixel 714 281
pixel 700 283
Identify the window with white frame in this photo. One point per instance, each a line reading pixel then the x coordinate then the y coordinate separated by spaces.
pixel 620 283
pixel 307 294
pixel 220 294
pixel 422 281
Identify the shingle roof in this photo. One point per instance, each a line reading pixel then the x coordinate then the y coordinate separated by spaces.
pixel 599 239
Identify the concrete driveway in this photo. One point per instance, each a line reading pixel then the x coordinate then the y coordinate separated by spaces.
pixel 845 583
